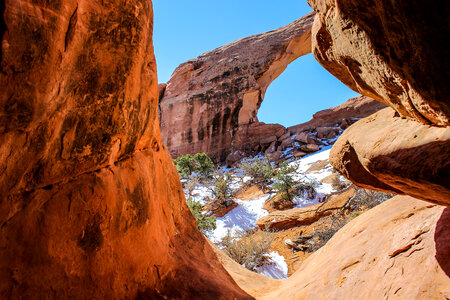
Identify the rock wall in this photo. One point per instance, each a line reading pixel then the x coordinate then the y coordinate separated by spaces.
pixel 91 206
pixel 210 98
pixel 391 51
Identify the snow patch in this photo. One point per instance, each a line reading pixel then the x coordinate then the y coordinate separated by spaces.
pixel 276 268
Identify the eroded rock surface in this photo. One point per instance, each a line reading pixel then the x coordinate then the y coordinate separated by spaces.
pixel 388 153
pixel 91 206
pixel 210 98
pixel 397 249
pixel 391 51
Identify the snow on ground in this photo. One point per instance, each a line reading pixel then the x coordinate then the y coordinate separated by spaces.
pixel 277 268
pixel 240 219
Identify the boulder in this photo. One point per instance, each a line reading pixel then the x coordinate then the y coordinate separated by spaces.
pixel 268 140
pixel 272 148
pixel 286 144
pixel 298 153
pixel 399 155
pixel 219 208
pixel 304 137
pixel 309 148
pixel 389 51
pixel 234 157
pixel 210 98
pixel 274 157
pixel 285 136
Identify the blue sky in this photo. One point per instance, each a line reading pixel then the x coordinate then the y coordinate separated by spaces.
pixel 184 29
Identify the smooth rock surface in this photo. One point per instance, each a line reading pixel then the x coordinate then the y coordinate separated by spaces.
pixel 388 153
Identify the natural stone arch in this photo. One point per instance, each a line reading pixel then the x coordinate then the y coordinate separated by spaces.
pixel 211 102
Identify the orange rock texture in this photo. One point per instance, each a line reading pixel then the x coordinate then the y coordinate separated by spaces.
pixel 210 98
pixel 399 249
pixel 91 206
pixel 391 51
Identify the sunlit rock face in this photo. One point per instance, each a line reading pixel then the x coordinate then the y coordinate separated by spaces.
pixel 215 97
pixel 391 51
pixel 91 206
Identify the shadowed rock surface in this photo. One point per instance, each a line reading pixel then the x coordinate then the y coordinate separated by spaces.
pixel 212 98
pixel 91 206
pixel 391 51
pixel 387 153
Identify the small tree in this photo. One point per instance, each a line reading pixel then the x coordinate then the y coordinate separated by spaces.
pixel 221 188
pixel 203 164
pixel 204 223
pixel 259 170
pixel 184 165
pixel 199 163
pixel 285 181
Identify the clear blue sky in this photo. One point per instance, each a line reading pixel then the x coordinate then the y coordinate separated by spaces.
pixel 184 29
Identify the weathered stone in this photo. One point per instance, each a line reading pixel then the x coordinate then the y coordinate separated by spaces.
pixel 275 156
pixel 309 148
pixel 390 51
pixel 91 206
pixel 388 153
pixel 298 153
pixel 219 208
pixel 286 144
pixel 272 148
pixel 285 136
pixel 268 140
pixel 234 157
pixel 210 98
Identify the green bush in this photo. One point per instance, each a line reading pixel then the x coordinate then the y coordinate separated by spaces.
pixel 199 163
pixel 259 170
pixel 221 188
pixel 285 181
pixel 204 223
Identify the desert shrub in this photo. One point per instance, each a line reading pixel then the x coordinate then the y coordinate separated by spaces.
pixel 249 249
pixel 338 184
pixel 199 163
pixel 259 170
pixel 307 188
pixel 366 199
pixel 285 181
pixel 221 186
pixel 204 165
pixel 204 223
pixel 191 184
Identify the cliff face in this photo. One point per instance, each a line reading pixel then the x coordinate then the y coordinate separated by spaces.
pixel 392 52
pixel 90 203
pixel 210 98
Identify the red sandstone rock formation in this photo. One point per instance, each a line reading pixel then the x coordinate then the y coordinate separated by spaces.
pixel 393 53
pixel 91 206
pixel 398 249
pixel 388 153
pixel 212 99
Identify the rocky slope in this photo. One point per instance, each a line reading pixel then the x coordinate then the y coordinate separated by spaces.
pixel 215 97
pixel 91 206
pixel 391 52
pixel 398 249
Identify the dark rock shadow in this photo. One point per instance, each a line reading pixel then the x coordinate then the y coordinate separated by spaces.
pixel 442 241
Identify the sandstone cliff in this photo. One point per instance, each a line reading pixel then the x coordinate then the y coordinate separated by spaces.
pixel 91 206
pixel 210 98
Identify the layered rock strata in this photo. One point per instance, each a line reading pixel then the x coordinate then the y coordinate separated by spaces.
pixel 213 99
pixel 91 206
